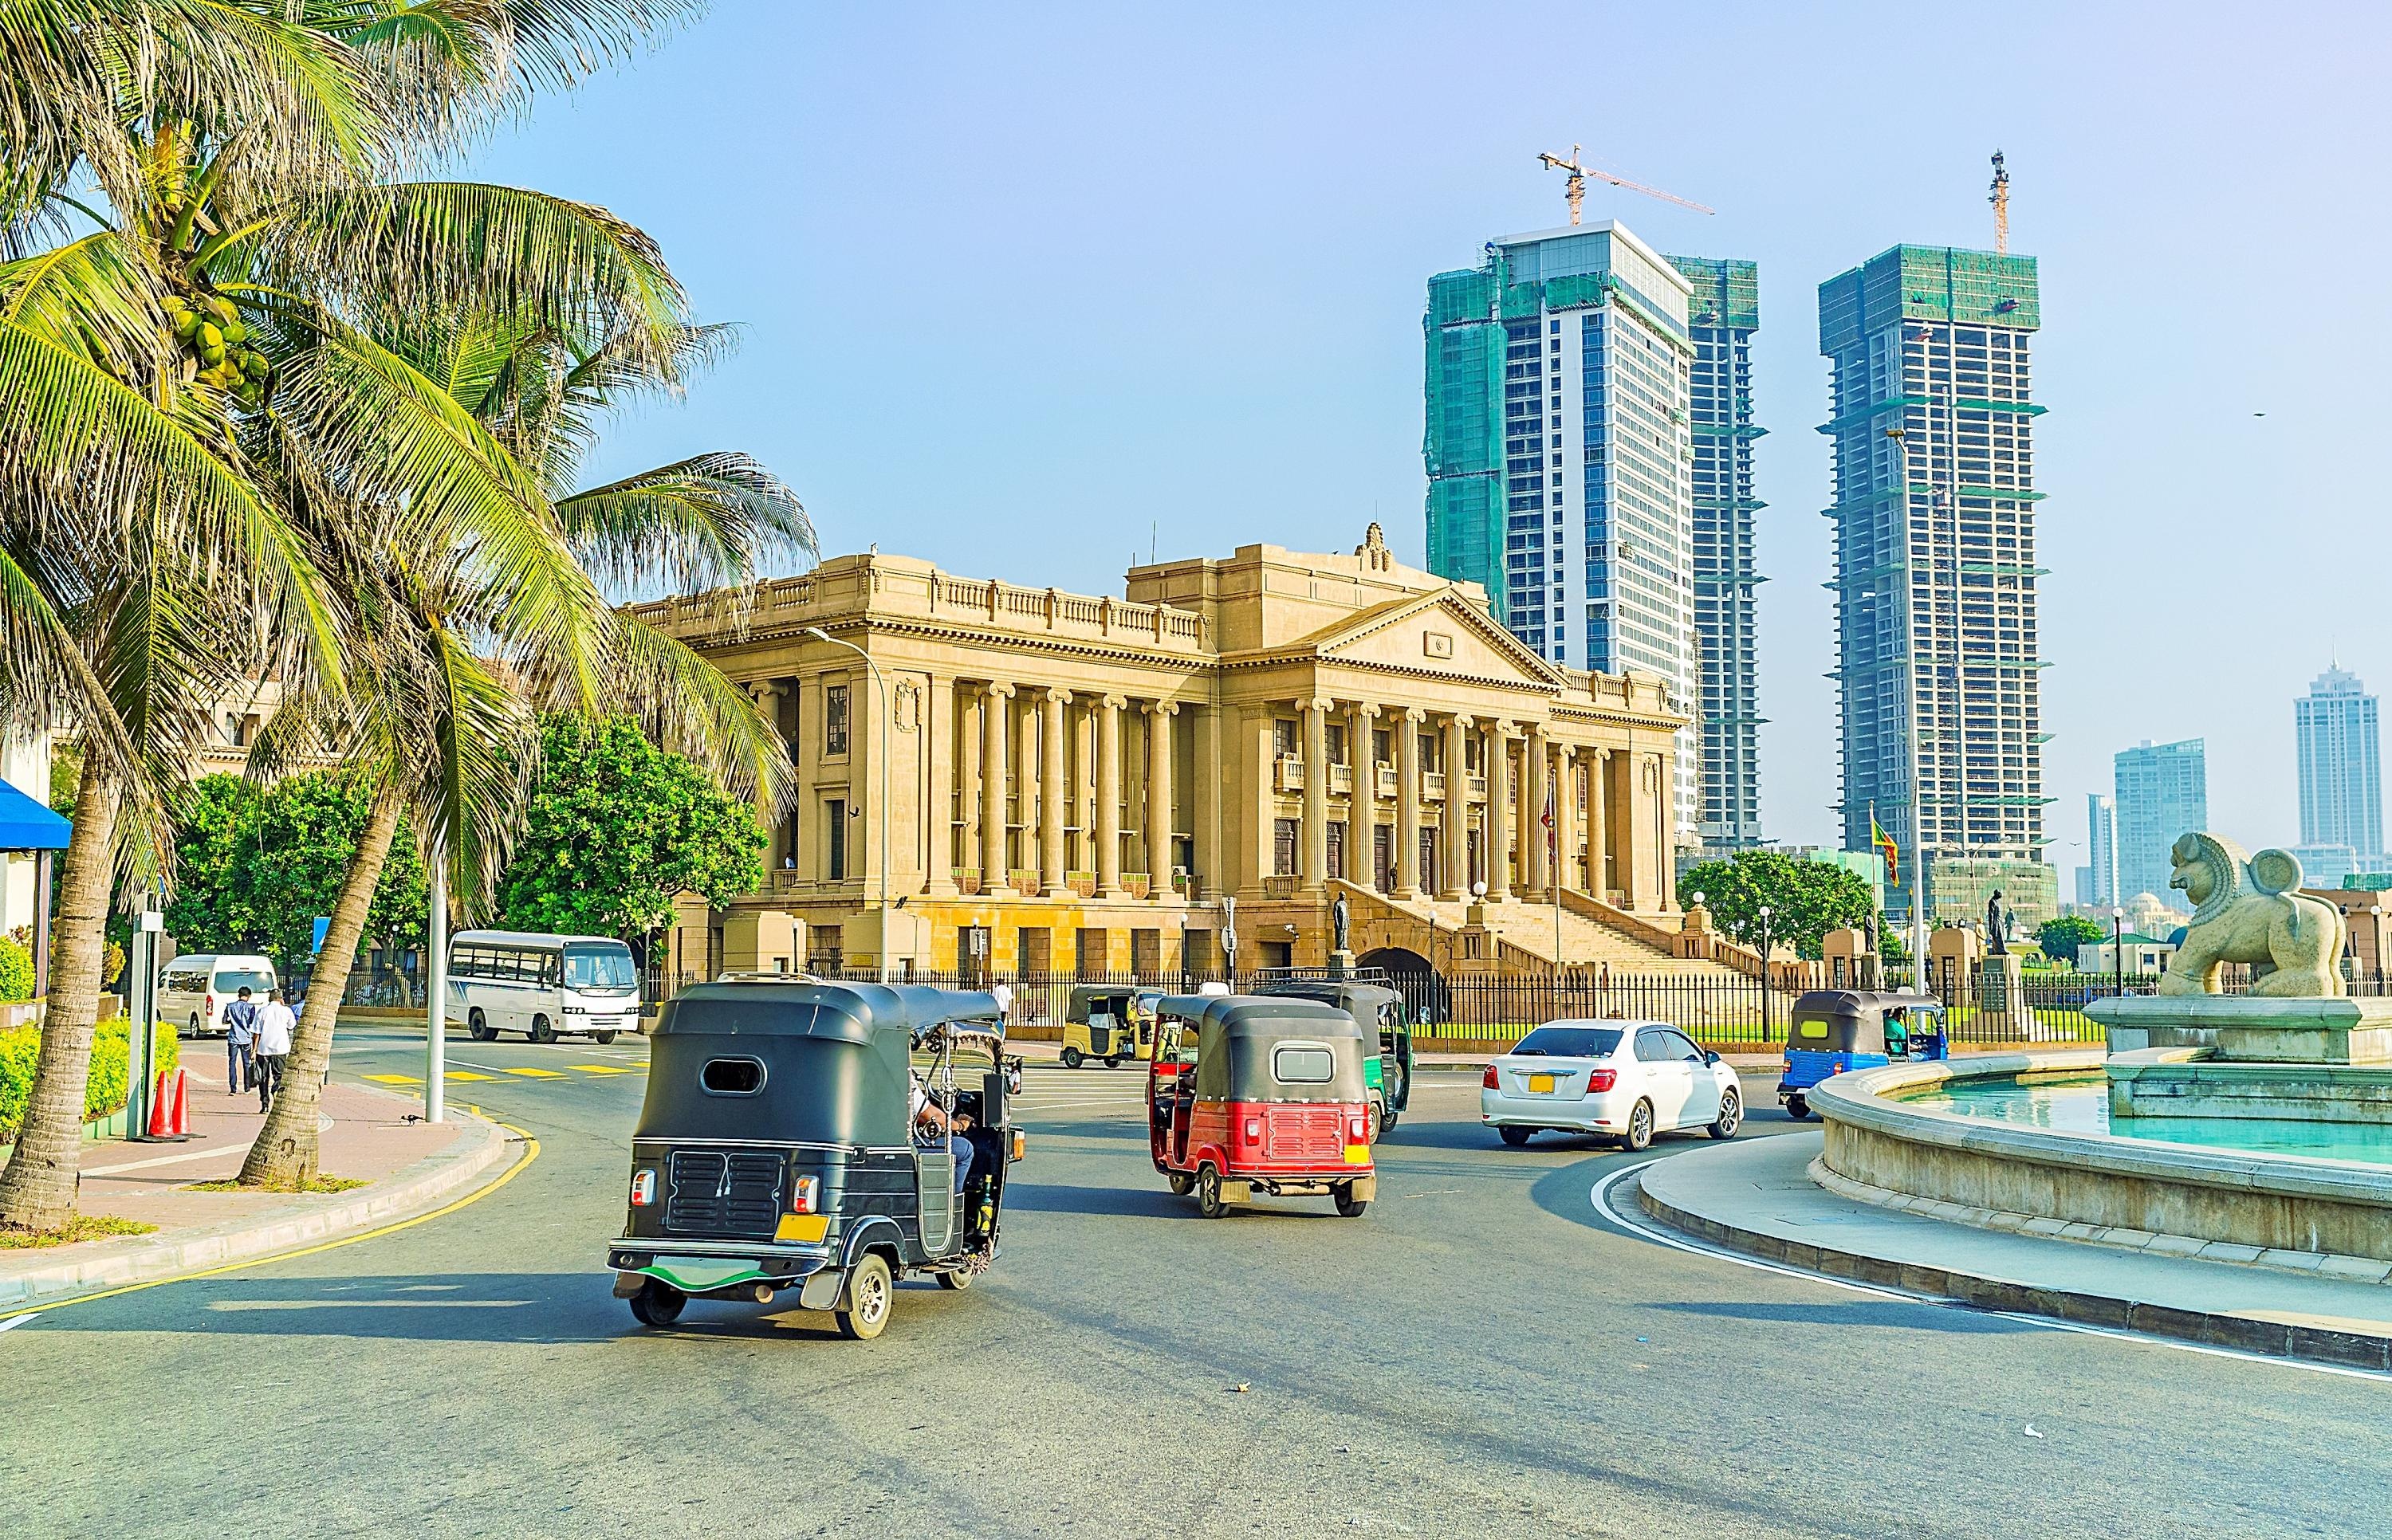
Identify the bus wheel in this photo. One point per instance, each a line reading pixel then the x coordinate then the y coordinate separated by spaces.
pixel 1208 1193
pixel 604 1037
pixel 541 1031
pixel 1071 1058
pixel 870 1294
pixel 477 1026
pixel 658 1304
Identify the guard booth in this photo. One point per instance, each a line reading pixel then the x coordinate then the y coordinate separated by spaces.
pixel 31 837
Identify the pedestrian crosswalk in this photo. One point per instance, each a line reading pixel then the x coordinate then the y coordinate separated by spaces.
pixel 502 1072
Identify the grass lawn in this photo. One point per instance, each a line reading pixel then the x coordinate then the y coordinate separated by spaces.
pixel 80 1227
pixel 318 1184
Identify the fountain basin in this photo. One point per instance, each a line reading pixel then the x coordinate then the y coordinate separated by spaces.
pixel 2093 1185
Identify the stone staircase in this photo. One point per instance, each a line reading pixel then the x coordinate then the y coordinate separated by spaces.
pixel 1586 942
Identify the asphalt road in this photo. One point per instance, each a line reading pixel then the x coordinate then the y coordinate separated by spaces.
pixel 1479 1354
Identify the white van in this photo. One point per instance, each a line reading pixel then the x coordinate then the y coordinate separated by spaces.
pixel 195 989
pixel 542 985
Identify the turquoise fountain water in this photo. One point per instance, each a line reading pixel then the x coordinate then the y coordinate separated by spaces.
pixel 2081 1105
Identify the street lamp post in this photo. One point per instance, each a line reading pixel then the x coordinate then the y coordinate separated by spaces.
pixel 1764 973
pixel 2118 947
pixel 436 990
pixel 887 746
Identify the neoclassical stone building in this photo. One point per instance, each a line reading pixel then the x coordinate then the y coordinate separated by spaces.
pixel 1100 785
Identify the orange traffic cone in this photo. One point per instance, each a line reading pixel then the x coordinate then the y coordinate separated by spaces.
pixel 169 1106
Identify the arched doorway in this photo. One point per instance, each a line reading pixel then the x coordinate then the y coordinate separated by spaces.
pixel 1414 978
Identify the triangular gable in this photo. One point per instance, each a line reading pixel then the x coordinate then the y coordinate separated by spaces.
pixel 1438 631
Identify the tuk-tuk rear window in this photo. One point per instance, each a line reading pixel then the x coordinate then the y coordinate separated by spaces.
pixel 1303 1064
pixel 1570 1042
pixel 1810 1027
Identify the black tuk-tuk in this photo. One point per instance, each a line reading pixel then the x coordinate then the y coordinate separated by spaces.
pixel 1379 1011
pixel 805 1136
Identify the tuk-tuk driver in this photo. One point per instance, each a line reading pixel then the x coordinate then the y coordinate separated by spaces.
pixel 1897 1033
pixel 935 1125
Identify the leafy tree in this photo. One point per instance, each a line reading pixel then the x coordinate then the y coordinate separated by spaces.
pixel 2063 936
pixel 256 866
pixel 1805 898
pixel 615 827
pixel 218 854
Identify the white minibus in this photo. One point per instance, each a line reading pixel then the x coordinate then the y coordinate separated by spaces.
pixel 193 989
pixel 542 985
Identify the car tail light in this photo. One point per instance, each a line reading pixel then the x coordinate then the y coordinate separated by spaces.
pixel 1254 1131
pixel 210 1002
pixel 805 1194
pixel 1358 1131
pixel 1487 1082
pixel 644 1188
pixel 1600 1081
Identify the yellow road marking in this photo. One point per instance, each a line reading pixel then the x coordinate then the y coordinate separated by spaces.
pixel 466 1075
pixel 539 1074
pixel 530 1153
pixel 394 1080
pixel 599 1069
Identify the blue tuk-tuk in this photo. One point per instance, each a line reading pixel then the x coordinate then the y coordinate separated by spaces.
pixel 1833 1031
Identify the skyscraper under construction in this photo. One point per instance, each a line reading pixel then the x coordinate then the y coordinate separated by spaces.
pixel 1932 416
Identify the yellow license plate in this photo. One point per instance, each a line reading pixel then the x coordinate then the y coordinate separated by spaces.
pixel 1358 1155
pixel 1541 1084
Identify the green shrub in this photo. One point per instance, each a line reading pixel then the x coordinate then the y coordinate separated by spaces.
pixel 16 970
pixel 103 1090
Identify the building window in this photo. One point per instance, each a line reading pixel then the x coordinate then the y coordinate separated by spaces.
pixel 1336 849
pixel 834 720
pixel 837 847
pixel 1283 835
pixel 1283 738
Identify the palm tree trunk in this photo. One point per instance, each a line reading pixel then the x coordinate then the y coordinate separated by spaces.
pixel 37 1191
pixel 287 1150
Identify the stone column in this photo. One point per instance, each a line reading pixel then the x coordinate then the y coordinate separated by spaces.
pixel 1054 789
pixel 766 693
pixel 1456 827
pixel 1315 714
pixel 995 706
pixel 1158 798
pixel 1499 811
pixel 1362 802
pixel 1566 820
pixel 1109 792
pixel 1407 803
pixel 1542 841
pixel 1214 768
pixel 939 805
pixel 1598 831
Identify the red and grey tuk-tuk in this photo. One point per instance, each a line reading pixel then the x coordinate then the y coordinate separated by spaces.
pixel 1247 1093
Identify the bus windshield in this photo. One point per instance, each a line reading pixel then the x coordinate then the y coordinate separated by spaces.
pixel 602 969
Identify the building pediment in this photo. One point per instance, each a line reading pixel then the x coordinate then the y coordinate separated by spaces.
pixel 1437 634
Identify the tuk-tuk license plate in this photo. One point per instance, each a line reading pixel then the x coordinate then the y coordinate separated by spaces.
pixel 1358 1155
pixel 1541 1084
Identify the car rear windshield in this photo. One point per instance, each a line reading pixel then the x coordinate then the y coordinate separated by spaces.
pixel 599 968
pixel 234 980
pixel 1570 1042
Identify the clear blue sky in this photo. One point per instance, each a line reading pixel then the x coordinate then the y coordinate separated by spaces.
pixel 1022 283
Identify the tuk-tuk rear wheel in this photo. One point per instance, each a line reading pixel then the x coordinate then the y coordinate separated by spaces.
pixel 658 1304
pixel 871 1294
pixel 1072 1057
pixel 1208 1193
pixel 1348 1204
pixel 1798 1106
pixel 958 1280
pixel 1181 1183
pixel 1112 1061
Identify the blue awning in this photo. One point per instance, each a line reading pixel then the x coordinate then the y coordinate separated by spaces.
pixel 25 824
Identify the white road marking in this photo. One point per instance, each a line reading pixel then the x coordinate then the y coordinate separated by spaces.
pixel 13 1322
pixel 1599 1198
pixel 173 1159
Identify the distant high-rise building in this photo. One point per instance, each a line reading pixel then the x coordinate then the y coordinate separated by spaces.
pixel 2163 791
pixel 2097 881
pixel 1560 454
pixel 1722 315
pixel 1931 418
pixel 2342 790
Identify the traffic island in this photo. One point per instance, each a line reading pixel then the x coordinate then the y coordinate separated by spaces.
pixel 1761 1196
pixel 408 1168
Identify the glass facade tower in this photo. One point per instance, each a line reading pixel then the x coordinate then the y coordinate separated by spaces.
pixel 1560 455
pixel 2342 789
pixel 1931 427
pixel 2162 792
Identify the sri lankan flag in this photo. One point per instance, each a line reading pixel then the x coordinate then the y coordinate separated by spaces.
pixel 1884 845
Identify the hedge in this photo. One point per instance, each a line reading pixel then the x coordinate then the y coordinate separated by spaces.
pixel 103 1091
pixel 16 970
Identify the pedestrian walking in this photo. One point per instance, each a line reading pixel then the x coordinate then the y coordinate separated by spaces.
pixel 272 1043
pixel 240 1030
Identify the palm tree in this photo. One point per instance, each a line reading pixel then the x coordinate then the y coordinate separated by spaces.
pixel 461 659
pixel 155 536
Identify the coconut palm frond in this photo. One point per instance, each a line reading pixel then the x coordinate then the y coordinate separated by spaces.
pixel 691 707
pixel 709 521
pixel 488 746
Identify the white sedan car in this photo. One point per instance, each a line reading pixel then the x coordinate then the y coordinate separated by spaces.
pixel 1627 1079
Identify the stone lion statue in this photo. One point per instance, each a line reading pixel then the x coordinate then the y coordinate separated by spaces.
pixel 2247 909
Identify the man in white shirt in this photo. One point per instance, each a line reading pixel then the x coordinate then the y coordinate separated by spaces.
pixel 275 1024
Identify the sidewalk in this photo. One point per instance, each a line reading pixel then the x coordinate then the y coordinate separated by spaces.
pixel 410 1168
pixel 1755 1196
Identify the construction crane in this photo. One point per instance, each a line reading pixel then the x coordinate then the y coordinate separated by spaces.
pixel 1575 189
pixel 2001 202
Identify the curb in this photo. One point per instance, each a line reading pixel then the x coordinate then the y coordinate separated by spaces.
pixel 2272 1338
pixel 411 1190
